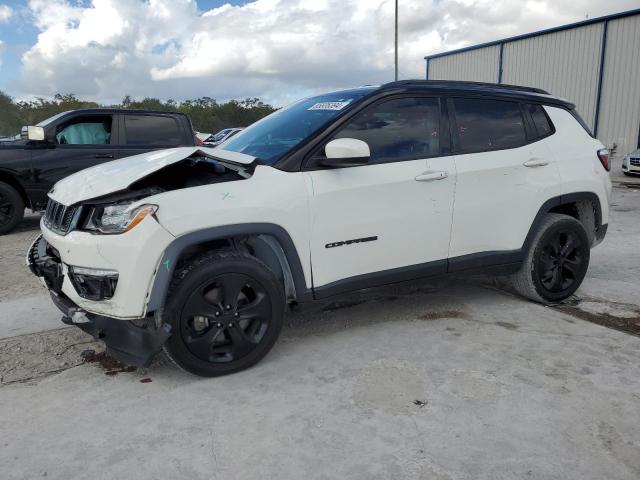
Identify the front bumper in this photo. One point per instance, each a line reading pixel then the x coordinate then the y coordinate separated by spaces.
pixel 631 165
pixel 132 342
pixel 133 256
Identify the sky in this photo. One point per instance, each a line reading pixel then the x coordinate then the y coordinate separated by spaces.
pixel 277 50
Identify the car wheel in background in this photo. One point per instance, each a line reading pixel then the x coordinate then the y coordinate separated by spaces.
pixel 226 311
pixel 556 261
pixel 11 208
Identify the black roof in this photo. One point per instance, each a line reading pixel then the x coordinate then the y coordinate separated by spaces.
pixel 121 110
pixel 498 89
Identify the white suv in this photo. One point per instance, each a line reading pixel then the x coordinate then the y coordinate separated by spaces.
pixel 199 250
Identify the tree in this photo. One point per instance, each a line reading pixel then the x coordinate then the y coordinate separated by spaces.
pixel 207 115
pixel 10 120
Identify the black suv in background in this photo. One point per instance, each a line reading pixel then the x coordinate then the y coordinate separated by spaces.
pixel 65 143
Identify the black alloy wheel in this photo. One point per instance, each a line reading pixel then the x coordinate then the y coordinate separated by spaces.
pixel 556 260
pixel 226 310
pixel 225 319
pixel 11 208
pixel 7 210
pixel 561 261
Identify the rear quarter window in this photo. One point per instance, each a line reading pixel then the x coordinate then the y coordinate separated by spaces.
pixel 541 121
pixel 152 130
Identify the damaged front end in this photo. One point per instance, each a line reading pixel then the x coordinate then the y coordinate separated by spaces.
pixel 102 242
pixel 120 211
pixel 134 342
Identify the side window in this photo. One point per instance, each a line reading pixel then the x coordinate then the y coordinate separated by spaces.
pixel 151 130
pixel 540 120
pixel 488 124
pixel 89 130
pixel 400 129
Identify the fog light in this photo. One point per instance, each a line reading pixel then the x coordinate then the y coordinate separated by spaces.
pixel 93 283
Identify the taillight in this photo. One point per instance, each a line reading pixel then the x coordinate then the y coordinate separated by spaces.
pixel 603 155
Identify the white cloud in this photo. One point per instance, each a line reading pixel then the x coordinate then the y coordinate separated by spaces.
pixel 6 12
pixel 275 49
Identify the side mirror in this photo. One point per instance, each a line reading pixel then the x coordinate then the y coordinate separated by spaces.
pixel 346 152
pixel 34 134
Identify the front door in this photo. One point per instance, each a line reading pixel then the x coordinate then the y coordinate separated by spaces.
pixel 389 220
pixel 78 143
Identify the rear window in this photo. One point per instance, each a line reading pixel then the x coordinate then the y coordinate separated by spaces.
pixel 540 120
pixel 484 125
pixel 582 123
pixel 151 130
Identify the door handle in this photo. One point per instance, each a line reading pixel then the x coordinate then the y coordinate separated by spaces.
pixel 536 162
pixel 103 155
pixel 430 175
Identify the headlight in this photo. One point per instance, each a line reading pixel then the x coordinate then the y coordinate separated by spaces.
pixel 117 218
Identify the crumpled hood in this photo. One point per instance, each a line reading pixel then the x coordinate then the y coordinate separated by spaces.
pixel 117 175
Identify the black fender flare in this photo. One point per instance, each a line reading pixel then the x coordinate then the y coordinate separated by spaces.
pixel 166 268
pixel 561 200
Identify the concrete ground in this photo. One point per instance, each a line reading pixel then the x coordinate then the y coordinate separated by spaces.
pixel 447 379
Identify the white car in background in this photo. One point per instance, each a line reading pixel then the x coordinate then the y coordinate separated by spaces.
pixel 221 136
pixel 202 138
pixel 631 163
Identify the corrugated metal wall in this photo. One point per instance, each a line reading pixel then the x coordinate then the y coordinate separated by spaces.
pixel 567 64
pixel 620 101
pixel 479 65
pixel 563 63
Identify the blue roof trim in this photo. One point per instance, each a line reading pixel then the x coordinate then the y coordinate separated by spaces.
pixel 569 26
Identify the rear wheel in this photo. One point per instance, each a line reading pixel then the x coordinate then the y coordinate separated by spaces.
pixel 11 208
pixel 226 311
pixel 556 261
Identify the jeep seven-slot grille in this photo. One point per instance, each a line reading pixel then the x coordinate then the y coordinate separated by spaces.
pixel 58 217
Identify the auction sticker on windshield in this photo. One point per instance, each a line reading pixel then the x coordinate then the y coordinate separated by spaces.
pixel 329 105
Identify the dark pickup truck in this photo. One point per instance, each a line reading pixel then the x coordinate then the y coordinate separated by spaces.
pixel 61 145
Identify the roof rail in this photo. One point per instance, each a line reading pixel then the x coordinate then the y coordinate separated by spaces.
pixel 445 83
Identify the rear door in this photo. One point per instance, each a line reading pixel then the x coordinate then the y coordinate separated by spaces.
pixel 389 220
pixel 141 132
pixel 505 172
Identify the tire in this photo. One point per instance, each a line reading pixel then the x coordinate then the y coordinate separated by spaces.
pixel 556 262
pixel 226 310
pixel 11 208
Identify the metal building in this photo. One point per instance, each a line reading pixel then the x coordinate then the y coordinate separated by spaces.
pixel 594 63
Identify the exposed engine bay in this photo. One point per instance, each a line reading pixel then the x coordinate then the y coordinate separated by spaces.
pixel 193 171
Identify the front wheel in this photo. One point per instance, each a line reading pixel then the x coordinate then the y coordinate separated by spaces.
pixel 11 208
pixel 226 311
pixel 556 262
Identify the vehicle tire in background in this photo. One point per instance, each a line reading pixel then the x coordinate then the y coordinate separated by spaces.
pixel 556 261
pixel 226 310
pixel 11 208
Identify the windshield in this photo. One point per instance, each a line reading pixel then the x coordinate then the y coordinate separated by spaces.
pixel 275 135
